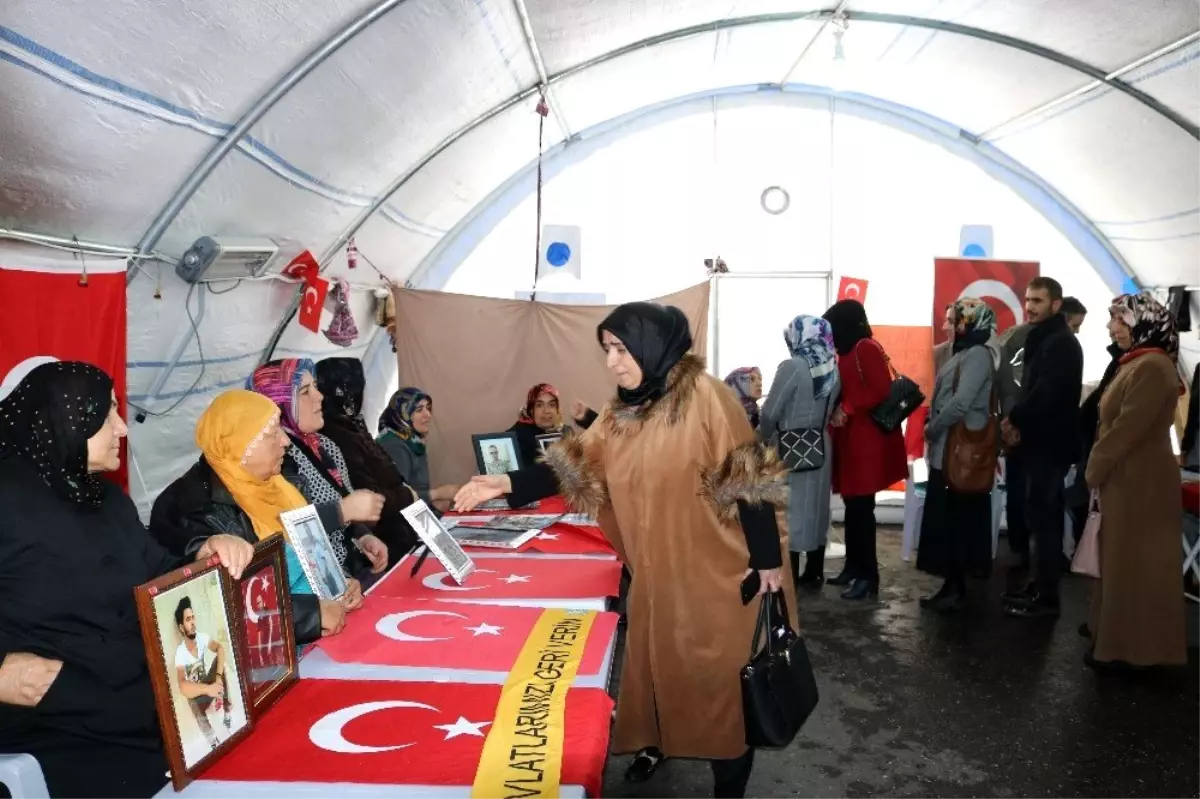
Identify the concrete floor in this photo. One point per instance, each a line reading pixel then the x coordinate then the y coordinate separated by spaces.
pixel 978 704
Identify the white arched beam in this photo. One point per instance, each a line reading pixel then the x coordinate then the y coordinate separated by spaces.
pixel 445 258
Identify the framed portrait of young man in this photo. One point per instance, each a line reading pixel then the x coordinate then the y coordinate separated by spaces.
pixel 315 552
pixel 496 453
pixel 265 610
pixel 194 647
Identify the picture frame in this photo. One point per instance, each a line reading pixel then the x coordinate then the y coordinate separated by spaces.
pixel 188 622
pixel 496 453
pixel 546 440
pixel 437 538
pixel 265 610
pixel 315 553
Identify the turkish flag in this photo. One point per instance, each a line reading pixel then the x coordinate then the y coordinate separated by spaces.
pixel 387 631
pixel 261 620
pixel 568 539
pixel 852 288
pixel 313 302
pixel 508 578
pixel 48 312
pixel 1001 284
pixel 378 732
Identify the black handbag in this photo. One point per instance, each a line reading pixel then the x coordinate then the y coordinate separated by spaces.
pixel 902 401
pixel 803 449
pixel 779 689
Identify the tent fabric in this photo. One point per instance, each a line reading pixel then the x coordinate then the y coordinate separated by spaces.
pixel 480 368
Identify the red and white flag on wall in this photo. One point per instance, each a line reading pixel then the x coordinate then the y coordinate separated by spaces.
pixel 852 288
pixel 1001 284
pixel 52 308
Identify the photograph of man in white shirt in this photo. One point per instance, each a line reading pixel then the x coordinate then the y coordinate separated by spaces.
pixel 494 463
pixel 200 673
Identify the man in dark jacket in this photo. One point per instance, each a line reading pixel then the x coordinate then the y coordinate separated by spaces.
pixel 1044 426
pixel 1008 390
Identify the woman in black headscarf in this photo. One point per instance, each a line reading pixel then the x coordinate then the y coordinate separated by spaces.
pixel 341 382
pixel 74 685
pixel 687 497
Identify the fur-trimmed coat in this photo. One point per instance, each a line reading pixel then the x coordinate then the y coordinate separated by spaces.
pixel 665 481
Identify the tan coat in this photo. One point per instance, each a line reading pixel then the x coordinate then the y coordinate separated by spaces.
pixel 1137 607
pixel 664 481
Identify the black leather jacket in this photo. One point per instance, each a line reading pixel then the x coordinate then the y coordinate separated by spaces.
pixel 197 506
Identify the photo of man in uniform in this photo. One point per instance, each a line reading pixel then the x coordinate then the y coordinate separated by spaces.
pixel 496 465
pixel 200 672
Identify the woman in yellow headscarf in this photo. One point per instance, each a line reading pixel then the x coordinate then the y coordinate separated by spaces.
pixel 236 488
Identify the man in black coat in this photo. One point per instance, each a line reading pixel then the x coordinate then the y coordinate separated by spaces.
pixel 1044 426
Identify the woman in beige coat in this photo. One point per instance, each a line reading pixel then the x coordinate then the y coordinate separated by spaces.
pixel 1137 607
pixel 687 497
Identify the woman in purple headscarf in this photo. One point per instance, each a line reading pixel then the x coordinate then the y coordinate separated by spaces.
pixel 747 383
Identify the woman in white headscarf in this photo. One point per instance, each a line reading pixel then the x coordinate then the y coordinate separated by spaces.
pixel 803 398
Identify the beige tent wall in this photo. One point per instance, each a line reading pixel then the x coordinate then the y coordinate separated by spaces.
pixel 477 358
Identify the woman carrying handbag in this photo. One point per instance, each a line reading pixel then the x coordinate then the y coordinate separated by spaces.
pixel 962 442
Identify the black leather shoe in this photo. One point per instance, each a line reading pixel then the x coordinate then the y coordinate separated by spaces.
pixel 810 582
pixel 1084 632
pixel 644 764
pixel 1027 594
pixel 945 600
pixel 861 589
pixel 845 578
pixel 1110 666
pixel 1035 609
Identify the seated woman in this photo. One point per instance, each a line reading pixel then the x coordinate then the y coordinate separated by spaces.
pixel 341 382
pixel 542 416
pixel 236 489
pixel 74 686
pixel 403 426
pixel 315 466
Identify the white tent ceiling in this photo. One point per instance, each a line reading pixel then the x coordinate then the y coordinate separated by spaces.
pixel 148 124
pixel 112 105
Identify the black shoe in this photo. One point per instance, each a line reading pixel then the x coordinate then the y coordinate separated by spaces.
pixel 1027 594
pixel 845 578
pixel 1035 609
pixel 814 569
pixel 945 600
pixel 1110 666
pixel 644 765
pixel 861 589
pixel 1084 632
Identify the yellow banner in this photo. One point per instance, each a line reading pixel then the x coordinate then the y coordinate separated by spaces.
pixel 522 756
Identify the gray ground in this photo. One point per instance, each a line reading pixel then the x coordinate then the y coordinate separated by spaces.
pixel 974 705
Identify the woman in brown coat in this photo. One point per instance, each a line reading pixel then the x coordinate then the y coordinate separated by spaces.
pixel 672 471
pixel 1137 610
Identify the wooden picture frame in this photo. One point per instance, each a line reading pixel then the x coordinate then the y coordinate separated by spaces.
pixel 205 598
pixel 315 553
pixel 496 453
pixel 437 538
pixel 265 611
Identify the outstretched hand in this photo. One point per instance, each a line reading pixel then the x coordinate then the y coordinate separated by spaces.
pixel 481 489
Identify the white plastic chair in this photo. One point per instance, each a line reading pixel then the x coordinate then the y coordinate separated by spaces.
pixel 22 775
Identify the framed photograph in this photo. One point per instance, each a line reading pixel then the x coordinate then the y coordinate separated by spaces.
pixel 547 439
pixel 194 648
pixel 496 453
pixel 314 551
pixel 435 536
pixel 266 613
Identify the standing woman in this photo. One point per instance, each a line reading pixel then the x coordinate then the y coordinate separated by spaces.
pixel 866 460
pixel 685 494
pixel 1137 615
pixel 403 426
pixel 746 382
pixel 956 529
pixel 803 397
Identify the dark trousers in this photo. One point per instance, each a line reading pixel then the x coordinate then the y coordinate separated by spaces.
pixel 1015 489
pixel 730 776
pixel 860 538
pixel 1044 510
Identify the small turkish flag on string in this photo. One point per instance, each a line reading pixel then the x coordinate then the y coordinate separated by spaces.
pixel 403 632
pixel 313 302
pixel 509 578
pixel 852 288
pixel 380 732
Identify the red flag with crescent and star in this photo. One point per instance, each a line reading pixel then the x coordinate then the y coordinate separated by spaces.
pixel 387 631
pixel 305 267
pixel 1001 284
pixel 69 309
pixel 852 288
pixel 508 578
pixel 408 734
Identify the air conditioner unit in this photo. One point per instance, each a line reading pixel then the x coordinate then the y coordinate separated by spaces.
pixel 226 259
